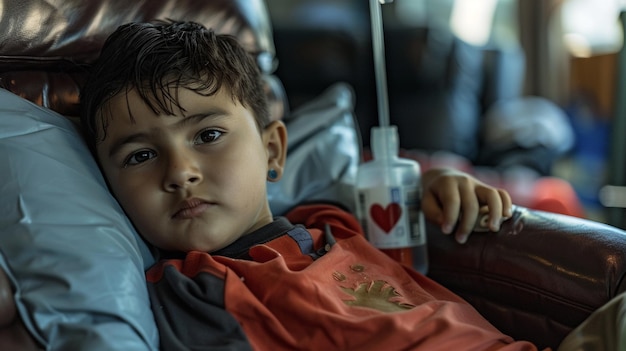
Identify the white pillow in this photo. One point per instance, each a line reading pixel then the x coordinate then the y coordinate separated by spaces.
pixel 76 261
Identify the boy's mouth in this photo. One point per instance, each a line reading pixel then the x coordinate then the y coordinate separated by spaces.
pixel 191 208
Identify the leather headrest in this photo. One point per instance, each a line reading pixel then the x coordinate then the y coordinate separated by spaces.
pixel 46 45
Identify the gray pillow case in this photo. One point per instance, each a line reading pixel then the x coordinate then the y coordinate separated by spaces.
pixel 323 153
pixel 75 260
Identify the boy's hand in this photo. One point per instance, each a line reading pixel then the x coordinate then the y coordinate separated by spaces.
pixel 454 198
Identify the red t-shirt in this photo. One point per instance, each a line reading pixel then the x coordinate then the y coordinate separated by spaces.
pixel 320 288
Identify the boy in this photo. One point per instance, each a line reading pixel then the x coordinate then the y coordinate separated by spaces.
pixel 178 122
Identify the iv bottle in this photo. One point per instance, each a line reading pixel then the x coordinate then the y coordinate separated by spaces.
pixel 388 198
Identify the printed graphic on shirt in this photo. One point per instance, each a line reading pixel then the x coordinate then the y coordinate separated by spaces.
pixel 375 294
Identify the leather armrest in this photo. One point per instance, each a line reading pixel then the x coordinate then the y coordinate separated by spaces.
pixel 539 277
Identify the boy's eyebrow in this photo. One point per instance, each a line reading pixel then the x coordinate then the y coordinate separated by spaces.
pixel 215 112
pixel 118 144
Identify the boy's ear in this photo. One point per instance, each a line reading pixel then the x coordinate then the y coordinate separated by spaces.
pixel 275 139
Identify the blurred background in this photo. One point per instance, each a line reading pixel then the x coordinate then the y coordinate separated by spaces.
pixel 525 94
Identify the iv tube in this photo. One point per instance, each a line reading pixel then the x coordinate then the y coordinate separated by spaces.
pixel 379 61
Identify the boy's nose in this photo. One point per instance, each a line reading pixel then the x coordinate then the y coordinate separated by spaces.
pixel 181 173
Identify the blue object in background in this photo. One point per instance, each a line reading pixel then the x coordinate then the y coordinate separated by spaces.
pixel 590 152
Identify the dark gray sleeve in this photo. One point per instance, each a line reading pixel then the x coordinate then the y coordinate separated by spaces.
pixel 190 313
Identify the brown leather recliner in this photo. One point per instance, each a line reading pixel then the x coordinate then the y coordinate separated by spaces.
pixel 536 279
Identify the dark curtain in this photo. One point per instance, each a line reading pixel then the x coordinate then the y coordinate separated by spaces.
pixel 547 58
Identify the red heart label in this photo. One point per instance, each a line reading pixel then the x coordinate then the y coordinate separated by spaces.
pixel 386 218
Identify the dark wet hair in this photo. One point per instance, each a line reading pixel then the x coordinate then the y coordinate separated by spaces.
pixel 156 57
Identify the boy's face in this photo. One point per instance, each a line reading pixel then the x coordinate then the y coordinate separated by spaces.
pixel 196 180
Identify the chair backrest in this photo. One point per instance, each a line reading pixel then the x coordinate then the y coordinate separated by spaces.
pixel 46 46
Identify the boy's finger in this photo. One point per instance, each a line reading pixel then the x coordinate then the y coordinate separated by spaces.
pixel 499 209
pixel 507 203
pixel 450 207
pixel 433 212
pixel 493 209
pixel 469 212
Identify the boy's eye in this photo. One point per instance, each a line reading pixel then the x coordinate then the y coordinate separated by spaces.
pixel 208 136
pixel 139 157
